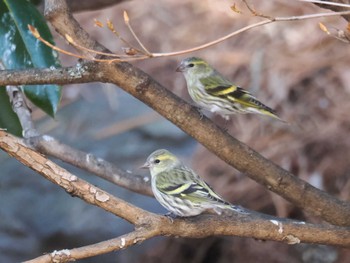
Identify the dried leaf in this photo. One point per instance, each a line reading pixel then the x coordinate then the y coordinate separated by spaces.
pixel 69 39
pixel 235 9
pixel 34 31
pixel 98 23
pixel 110 25
pixel 129 51
pixel 126 17
pixel 324 28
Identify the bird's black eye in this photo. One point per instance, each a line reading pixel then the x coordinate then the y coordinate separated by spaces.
pixel 191 65
pixel 156 161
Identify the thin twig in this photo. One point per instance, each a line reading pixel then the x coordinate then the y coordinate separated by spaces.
pixel 261 23
pixel 104 247
pixel 115 32
pixel 69 182
pixel 75 44
pixel 149 225
pixel 37 35
pixel 255 13
pixel 340 33
pixel 127 22
pixel 212 43
pixel 50 146
pixel 311 16
pixel 187 118
pixel 185 51
pixel 325 3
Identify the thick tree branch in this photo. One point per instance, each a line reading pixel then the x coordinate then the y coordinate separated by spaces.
pixel 87 161
pixel 58 14
pixel 103 247
pixel 20 107
pixel 149 225
pixel 235 153
pixel 71 183
pixel 50 146
pixel 229 149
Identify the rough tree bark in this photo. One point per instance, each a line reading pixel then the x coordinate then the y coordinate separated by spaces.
pixel 148 225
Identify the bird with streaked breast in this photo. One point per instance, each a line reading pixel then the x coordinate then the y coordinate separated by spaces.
pixel 180 190
pixel 213 92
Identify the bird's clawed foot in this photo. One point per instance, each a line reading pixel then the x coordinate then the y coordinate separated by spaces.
pixel 226 124
pixel 199 109
pixel 171 216
pixel 200 112
pixel 240 210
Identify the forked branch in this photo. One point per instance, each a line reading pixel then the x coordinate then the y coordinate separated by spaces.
pixel 132 53
pixel 149 225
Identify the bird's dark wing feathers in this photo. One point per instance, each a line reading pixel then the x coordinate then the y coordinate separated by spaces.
pixel 192 189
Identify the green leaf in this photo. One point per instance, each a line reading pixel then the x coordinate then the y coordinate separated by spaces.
pixel 8 119
pixel 20 49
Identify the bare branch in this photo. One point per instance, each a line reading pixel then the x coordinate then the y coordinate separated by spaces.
pixel 326 3
pixel 90 53
pixel 290 232
pixel 79 47
pixel 187 118
pixel 87 161
pixel 229 149
pixel 235 153
pixel 48 145
pixel 127 22
pixel 149 225
pixel 104 247
pixel 115 32
pixel 111 56
pixel 71 183
pixel 336 8
pixel 255 13
pixel 340 34
pixel 20 107
pixel 57 12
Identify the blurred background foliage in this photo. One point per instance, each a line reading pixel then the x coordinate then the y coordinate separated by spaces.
pixel 293 67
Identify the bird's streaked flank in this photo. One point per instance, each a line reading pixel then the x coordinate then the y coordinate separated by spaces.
pixel 180 190
pixel 213 92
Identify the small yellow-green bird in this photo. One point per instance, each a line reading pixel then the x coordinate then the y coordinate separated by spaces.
pixel 180 190
pixel 213 92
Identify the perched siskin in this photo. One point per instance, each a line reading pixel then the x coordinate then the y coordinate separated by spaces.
pixel 180 190
pixel 211 91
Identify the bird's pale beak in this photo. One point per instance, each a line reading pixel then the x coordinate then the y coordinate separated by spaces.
pixel 146 165
pixel 180 68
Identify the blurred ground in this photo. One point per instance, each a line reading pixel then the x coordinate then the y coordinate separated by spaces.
pixel 293 67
